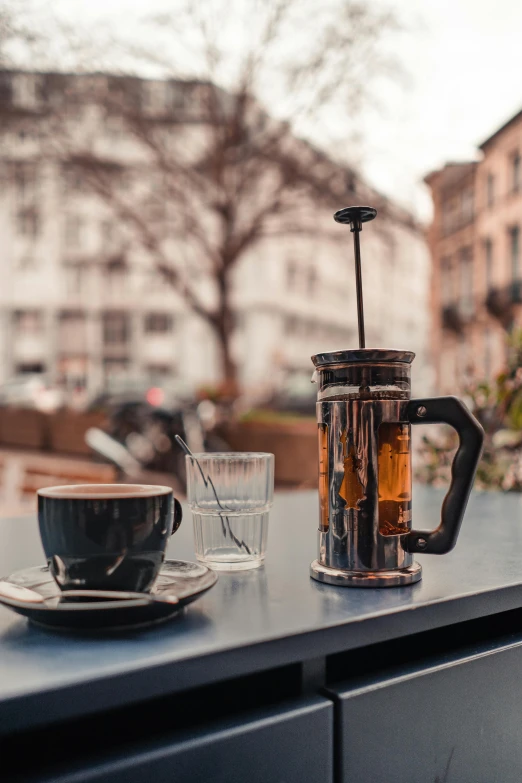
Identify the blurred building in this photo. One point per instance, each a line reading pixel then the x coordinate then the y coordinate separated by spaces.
pixel 477 266
pixel 81 302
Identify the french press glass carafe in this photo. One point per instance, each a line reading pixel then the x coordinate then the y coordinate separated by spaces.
pixel 364 414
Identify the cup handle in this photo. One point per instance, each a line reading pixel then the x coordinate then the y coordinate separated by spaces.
pixel 448 410
pixel 178 516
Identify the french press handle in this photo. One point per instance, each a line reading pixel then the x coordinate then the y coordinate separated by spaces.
pixel 448 410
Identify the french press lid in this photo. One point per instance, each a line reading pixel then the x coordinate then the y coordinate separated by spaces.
pixel 371 373
pixel 365 355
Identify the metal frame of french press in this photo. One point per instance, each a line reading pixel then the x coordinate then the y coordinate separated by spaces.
pixel 376 389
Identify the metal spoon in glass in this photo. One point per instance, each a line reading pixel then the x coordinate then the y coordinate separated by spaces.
pixel 207 481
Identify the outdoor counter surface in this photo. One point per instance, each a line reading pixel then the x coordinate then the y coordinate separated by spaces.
pixel 253 620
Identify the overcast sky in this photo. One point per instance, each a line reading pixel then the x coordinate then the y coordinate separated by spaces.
pixel 463 59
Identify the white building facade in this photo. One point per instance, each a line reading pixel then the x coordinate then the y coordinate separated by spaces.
pixel 82 304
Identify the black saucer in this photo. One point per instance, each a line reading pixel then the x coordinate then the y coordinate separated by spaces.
pixel 177 578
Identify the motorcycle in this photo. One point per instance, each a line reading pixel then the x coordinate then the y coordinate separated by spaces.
pixel 141 437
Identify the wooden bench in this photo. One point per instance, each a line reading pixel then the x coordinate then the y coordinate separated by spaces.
pixel 23 473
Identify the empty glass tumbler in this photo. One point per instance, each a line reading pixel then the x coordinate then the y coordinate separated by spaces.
pixel 230 495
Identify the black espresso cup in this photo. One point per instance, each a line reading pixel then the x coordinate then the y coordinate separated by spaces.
pixel 106 536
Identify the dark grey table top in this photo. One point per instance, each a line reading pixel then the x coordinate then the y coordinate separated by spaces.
pixel 255 619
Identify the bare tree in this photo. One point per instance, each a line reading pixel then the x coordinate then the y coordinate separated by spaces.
pixel 229 172
pixel 15 30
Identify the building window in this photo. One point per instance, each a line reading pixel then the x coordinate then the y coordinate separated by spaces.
pixel 456 210
pixel 155 281
pixel 312 281
pixel 107 233
pixel 306 328
pixel 73 231
pixel 25 90
pixel 28 223
pixel 159 373
pixel 446 281
pixel 116 276
pixel 488 352
pixel 490 190
pixel 514 247
pixel 178 95
pixel 123 180
pixel 291 275
pixel 488 257
pixel 515 172
pixel 116 328
pixel 73 179
pixel 114 370
pixel 72 332
pixel 466 281
pixel 463 361
pixel 291 325
pixel 25 181
pixel 153 96
pixel 27 321
pixel 73 372
pixel 467 205
pixel 158 323
pixel 445 217
pixel 448 367
pixel 75 278
pixel 27 264
pixel 114 127
pixel 30 368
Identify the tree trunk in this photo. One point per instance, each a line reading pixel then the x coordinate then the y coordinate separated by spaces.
pixel 229 380
pixel 224 328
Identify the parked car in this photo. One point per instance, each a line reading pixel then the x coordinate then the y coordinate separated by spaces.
pixel 139 389
pixel 298 395
pixel 31 391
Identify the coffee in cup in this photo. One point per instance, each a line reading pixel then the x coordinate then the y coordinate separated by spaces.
pixel 106 536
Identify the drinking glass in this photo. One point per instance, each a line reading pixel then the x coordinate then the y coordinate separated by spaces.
pixel 230 495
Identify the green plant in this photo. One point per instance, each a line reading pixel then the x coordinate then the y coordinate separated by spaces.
pixel 264 416
pixel 498 407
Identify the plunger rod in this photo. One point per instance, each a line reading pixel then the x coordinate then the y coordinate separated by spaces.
pixel 356 227
pixel 355 217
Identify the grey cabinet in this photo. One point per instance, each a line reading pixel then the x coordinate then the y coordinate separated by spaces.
pixel 452 721
pixel 292 744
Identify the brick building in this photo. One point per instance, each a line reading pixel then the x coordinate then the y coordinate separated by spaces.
pixel 477 269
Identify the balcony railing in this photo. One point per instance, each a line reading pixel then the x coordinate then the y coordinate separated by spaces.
pixel 500 301
pixel 455 224
pixel 455 316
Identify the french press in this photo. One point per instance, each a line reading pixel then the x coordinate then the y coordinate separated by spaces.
pixel 364 415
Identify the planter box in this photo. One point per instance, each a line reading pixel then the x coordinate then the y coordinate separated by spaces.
pixel 23 427
pixel 67 431
pixel 294 446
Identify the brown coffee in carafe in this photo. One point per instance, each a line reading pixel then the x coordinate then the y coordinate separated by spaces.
pixel 394 478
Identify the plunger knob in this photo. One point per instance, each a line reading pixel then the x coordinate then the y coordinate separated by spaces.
pixel 355 216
